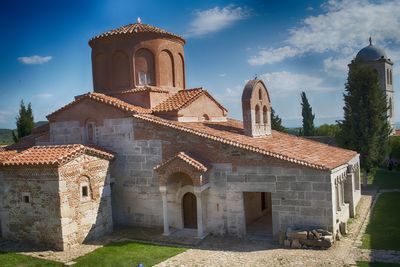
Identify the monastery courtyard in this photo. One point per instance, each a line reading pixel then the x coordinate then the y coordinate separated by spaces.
pixel 215 251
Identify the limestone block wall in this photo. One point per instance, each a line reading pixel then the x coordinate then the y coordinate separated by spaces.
pixel 85 217
pixel 39 220
pixel 66 132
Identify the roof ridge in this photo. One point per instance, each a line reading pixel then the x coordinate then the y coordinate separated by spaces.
pixel 186 158
pixel 251 147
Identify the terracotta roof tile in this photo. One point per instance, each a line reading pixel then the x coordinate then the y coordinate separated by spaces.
pixel 136 28
pixel 6 154
pixel 189 160
pixel 102 98
pixel 53 155
pixel 182 99
pixel 278 145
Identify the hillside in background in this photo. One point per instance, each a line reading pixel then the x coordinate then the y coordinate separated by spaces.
pixel 6 134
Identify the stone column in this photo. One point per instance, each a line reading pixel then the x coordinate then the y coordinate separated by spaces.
pixel 163 190
pixel 200 230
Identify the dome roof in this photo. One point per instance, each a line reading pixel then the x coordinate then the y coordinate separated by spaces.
pixel 371 53
pixel 137 28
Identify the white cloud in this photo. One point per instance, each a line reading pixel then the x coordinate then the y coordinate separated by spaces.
pixel 284 83
pixel 344 26
pixel 31 60
pixel 310 8
pixel 215 19
pixel 222 75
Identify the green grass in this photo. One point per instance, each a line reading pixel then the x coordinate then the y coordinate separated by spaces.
pixel 383 231
pixel 376 264
pixel 14 259
pixel 384 179
pixel 115 254
pixel 128 254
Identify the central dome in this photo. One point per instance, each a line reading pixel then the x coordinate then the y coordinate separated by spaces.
pixel 371 53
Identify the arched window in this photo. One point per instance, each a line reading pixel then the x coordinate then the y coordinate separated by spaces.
pixel 258 115
pixel 205 117
pixel 387 76
pixel 85 188
pixel 265 115
pixel 100 72
pixel 180 71
pixel 144 67
pixel 166 68
pixel 260 94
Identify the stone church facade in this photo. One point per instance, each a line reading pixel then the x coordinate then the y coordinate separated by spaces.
pixel 144 150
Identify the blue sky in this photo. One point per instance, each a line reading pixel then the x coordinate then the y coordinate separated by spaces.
pixel 293 45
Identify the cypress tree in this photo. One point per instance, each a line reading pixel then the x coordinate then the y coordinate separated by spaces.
pixel 364 128
pixel 308 117
pixel 24 122
pixel 276 122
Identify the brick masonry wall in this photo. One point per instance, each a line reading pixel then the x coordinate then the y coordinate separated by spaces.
pixel 85 218
pixel 35 222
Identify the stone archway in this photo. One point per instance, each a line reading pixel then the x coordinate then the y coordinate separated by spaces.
pixel 189 211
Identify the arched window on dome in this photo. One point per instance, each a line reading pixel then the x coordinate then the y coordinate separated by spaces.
pixel 258 114
pixel 144 67
pixel 265 115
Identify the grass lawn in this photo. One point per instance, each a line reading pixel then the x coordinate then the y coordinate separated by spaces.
pixel 383 231
pixel 385 179
pixel 14 259
pixel 376 264
pixel 128 254
pixel 115 254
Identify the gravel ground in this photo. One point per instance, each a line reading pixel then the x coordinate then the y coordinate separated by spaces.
pixel 231 252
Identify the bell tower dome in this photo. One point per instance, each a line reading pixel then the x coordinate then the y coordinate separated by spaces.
pixel 256 107
pixel 135 56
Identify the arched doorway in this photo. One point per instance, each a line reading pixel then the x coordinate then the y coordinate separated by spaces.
pixel 189 210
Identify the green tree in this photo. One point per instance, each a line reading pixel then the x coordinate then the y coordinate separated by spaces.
pixel 24 122
pixel 365 127
pixel 276 122
pixel 327 130
pixel 308 117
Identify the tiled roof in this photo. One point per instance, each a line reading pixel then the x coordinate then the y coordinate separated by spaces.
pixel 189 160
pixel 142 89
pixel 40 132
pixel 53 155
pixel 6 154
pixel 102 98
pixel 135 28
pixel 278 145
pixel 182 99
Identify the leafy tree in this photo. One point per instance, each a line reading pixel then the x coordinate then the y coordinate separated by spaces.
pixel 327 130
pixel 24 122
pixel 365 127
pixel 308 117
pixel 276 122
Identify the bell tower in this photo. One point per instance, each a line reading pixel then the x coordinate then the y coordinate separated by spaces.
pixel 256 107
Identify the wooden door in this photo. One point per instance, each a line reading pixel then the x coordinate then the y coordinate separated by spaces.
pixel 189 210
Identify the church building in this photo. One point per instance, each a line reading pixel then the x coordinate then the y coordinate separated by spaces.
pixel 143 150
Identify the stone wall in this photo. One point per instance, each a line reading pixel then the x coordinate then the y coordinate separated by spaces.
pixel 300 196
pixel 39 220
pixel 84 218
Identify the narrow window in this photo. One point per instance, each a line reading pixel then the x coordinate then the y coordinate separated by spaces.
pixel 258 115
pixel 260 94
pixel 391 81
pixel 205 117
pixel 85 191
pixel 26 199
pixel 265 115
pixel 387 76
